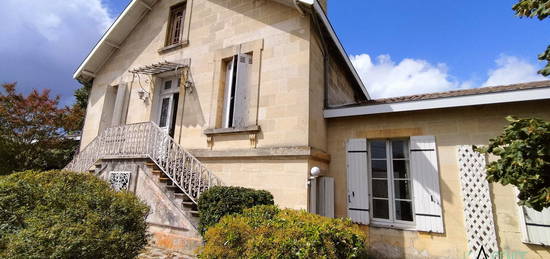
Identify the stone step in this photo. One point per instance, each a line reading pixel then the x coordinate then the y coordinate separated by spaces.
pixel 163 178
pixel 183 197
pixel 150 164
pixel 188 203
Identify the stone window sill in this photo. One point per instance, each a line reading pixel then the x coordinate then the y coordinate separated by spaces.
pixel 226 131
pixel 173 47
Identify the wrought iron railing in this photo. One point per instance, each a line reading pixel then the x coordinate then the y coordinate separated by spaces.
pixel 147 140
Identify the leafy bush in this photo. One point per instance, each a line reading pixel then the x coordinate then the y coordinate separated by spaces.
pixel 268 232
pixel 59 214
pixel 524 160
pixel 219 201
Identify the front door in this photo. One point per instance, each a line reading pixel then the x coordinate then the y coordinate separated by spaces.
pixel 168 105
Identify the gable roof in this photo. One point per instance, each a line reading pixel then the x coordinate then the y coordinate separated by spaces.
pixel 137 9
pixel 113 38
pixel 531 91
pixel 482 90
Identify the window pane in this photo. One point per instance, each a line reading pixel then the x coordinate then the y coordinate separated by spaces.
pixel 380 209
pixel 164 112
pixel 403 210
pixel 401 168
pixel 402 189
pixel 380 188
pixel 167 84
pixel 400 148
pixel 379 169
pixel 378 149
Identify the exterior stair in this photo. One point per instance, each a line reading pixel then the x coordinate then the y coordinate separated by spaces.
pixel 183 175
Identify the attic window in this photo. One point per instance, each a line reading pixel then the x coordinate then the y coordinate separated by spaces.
pixel 176 25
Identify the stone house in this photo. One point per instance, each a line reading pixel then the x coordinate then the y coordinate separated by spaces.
pixel 187 94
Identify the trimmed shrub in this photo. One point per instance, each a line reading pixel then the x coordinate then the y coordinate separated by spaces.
pixel 59 214
pixel 268 232
pixel 219 201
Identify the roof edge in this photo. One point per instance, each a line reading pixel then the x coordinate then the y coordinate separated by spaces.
pixel 508 96
pixel 103 40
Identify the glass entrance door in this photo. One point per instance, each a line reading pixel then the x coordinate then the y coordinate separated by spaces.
pixel 168 105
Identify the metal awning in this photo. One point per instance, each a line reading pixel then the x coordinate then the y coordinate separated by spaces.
pixel 158 68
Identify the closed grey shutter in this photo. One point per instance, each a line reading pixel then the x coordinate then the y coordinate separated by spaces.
pixel 240 116
pixel 119 110
pixel 358 183
pixel 426 193
pixel 326 197
pixel 537 226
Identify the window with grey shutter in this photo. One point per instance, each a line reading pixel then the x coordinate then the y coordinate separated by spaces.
pixel 236 99
pixel 120 107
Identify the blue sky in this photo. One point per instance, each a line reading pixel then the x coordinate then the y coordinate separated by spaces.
pixel 398 47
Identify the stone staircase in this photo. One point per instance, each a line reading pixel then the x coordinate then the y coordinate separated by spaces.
pixel 182 201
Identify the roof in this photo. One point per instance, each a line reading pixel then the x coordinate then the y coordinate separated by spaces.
pixel 531 91
pixel 482 90
pixel 137 9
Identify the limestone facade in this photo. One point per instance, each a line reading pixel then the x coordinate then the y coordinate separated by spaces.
pixel 296 74
pixel 451 127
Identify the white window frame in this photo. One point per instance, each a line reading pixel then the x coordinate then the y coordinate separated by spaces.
pixel 391 222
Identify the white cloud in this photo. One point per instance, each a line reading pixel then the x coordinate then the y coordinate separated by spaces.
pixel 44 41
pixel 386 78
pixel 512 70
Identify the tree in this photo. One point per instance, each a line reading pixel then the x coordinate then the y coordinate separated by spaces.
pixel 81 95
pixel 34 131
pixel 541 10
pixel 523 152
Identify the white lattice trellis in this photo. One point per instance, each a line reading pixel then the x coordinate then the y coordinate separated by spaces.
pixel 120 180
pixel 478 211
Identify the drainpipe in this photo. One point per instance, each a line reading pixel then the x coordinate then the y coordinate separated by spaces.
pixel 314 8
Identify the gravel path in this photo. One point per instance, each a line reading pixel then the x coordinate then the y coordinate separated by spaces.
pixel 157 252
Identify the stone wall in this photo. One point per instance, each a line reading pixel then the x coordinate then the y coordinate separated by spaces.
pixel 451 127
pixel 215 25
pixel 342 89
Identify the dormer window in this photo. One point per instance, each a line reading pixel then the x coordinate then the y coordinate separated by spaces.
pixel 176 24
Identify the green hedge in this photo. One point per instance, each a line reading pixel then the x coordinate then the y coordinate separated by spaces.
pixel 219 201
pixel 268 232
pixel 68 215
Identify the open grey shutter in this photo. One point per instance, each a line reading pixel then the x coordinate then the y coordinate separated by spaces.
pixel 240 116
pixel 537 226
pixel 358 184
pixel 119 111
pixel 426 194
